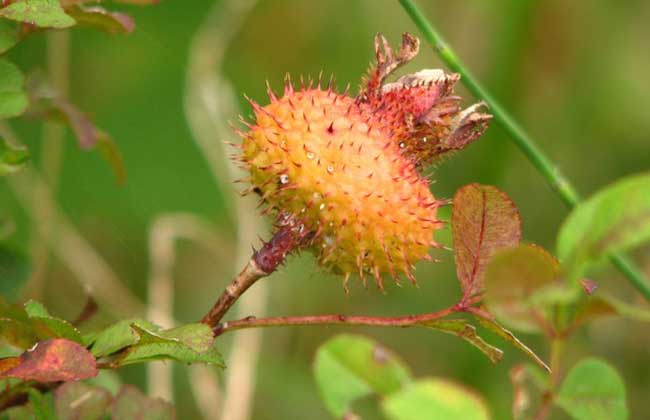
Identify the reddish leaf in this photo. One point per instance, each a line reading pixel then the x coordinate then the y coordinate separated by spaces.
pixel 140 2
pixel 66 3
pixel 130 403
pixel 484 220
pixel 80 401
pixel 589 286
pixel 89 136
pixel 8 364
pixel 53 360
pixel 100 18
pixel 83 128
pixel 513 279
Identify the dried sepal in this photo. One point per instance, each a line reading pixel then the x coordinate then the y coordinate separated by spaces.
pixel 348 170
pixel 388 61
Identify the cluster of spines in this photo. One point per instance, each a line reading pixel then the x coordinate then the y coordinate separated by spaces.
pixel 371 122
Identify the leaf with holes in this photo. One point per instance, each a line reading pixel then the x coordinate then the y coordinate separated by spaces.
pixel 512 277
pixel 467 332
pixel 42 13
pixel 593 390
pixel 53 360
pixel 116 337
pixel 348 367
pixel 484 220
pixel 435 399
pixel 615 219
pixel 191 343
pixel 508 336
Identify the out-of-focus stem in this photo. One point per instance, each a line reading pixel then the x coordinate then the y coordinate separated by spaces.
pixel 52 149
pixel 209 103
pixel 163 237
pixel 88 266
pixel 557 350
pixel 551 173
pixel 91 270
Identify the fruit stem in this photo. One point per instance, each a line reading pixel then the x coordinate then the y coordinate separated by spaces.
pixel 245 279
pixel 551 173
pixel 334 319
pixel 290 236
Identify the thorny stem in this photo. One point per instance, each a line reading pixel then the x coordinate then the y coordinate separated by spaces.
pixel 248 276
pixel 335 319
pixel 290 236
pixel 552 174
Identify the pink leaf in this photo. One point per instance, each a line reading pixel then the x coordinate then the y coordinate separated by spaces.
pixel 52 360
pixel 484 220
pixel 100 18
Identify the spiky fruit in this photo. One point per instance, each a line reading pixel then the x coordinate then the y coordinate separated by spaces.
pixel 349 168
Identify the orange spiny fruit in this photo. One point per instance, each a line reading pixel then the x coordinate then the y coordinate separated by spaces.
pixel 349 168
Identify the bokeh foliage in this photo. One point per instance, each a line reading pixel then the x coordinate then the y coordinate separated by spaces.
pixel 574 74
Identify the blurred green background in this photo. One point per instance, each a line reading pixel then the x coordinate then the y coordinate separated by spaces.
pixel 574 73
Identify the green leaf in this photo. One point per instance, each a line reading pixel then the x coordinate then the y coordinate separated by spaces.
pixel 198 337
pixel 42 405
pixel 79 401
pixel 130 403
pixel 348 367
pixel 14 270
pixel 512 339
pixel 116 337
pixel 190 343
pixel 13 99
pixel 593 390
pixel 511 279
pixel 467 332
pixel 17 413
pixel 615 219
pixel 601 305
pixel 9 35
pixel 46 326
pixel 435 399
pixel 100 18
pixel 12 158
pixel 108 380
pixel 8 310
pixel 34 308
pixel 17 333
pixel 42 13
pixel 483 220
